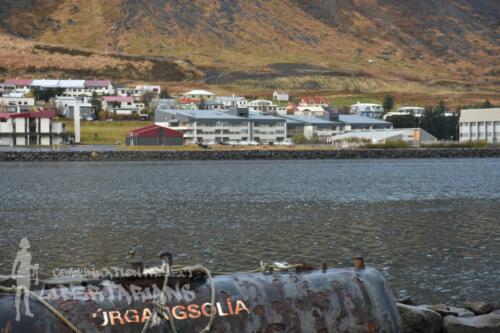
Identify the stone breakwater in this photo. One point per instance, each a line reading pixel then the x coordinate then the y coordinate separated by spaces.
pixel 125 155
pixel 479 317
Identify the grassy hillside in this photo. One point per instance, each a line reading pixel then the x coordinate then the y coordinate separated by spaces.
pixel 338 46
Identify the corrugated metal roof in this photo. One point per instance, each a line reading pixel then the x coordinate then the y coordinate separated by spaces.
pixel 308 120
pixel 117 99
pixel 473 115
pixel 205 114
pixel 152 131
pixel 354 119
pixel 97 83
pixel 40 114
pixel 19 82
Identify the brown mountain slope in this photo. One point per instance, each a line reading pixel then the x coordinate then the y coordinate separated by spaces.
pixel 448 42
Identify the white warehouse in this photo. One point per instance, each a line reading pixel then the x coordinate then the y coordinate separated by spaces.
pixel 480 124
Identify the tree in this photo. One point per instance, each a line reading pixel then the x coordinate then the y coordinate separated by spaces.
pixel 148 97
pixel 96 103
pixel 438 124
pixel 407 121
pixel 388 103
pixel 164 93
pixel 46 94
pixel 486 105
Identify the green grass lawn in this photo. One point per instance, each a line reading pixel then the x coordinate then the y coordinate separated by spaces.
pixel 105 132
pixel 349 100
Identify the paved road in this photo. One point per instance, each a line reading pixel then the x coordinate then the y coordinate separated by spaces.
pixel 64 148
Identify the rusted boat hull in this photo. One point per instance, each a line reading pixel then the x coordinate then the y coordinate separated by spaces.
pixel 337 300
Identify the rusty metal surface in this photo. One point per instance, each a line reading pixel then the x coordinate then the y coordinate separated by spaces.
pixel 335 300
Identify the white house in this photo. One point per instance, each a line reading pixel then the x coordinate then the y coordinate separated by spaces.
pixel 311 106
pixel 231 101
pixel 100 87
pixel 124 105
pixel 68 104
pixel 369 110
pixel 16 102
pixel 200 95
pixel 262 105
pixel 30 128
pixel 139 91
pixel 21 85
pixel 415 111
pixel 480 124
pixel 280 96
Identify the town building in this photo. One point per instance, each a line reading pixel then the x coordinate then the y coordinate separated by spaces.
pixel 6 88
pixel 369 110
pixel 154 135
pixel 21 85
pixel 311 106
pixel 412 136
pixel 200 95
pixel 122 105
pixel 30 128
pixel 100 87
pixel 280 96
pixel 354 122
pixel 415 111
pixel 229 102
pixel 218 127
pixel 67 105
pixel 139 91
pixel 310 101
pixel 312 127
pixel 263 105
pixel 16 103
pixel 68 87
pixel 480 124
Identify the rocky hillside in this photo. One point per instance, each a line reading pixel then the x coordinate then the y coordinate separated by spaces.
pixel 448 42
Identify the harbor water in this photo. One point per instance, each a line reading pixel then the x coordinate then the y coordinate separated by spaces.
pixel 432 226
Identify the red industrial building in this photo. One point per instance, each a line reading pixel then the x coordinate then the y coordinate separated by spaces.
pixel 154 135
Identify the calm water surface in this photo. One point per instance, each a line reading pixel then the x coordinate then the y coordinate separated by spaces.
pixel 431 226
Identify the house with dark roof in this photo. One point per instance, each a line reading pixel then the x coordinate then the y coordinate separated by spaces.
pixel 215 126
pixel 355 122
pixel 312 127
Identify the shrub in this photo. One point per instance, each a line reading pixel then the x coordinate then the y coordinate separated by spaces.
pixel 467 144
pixel 397 144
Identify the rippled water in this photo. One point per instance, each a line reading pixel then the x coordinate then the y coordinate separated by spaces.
pixel 431 226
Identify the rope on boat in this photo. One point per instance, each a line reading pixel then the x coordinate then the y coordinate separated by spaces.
pixel 161 308
pixel 54 311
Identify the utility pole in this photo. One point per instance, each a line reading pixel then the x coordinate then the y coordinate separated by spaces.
pixel 76 119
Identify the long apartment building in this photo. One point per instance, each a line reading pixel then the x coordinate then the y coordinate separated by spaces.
pixel 211 127
pixel 30 128
pixel 480 124
pixel 69 87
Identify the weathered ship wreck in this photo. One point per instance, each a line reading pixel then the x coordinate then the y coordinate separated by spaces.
pixel 288 298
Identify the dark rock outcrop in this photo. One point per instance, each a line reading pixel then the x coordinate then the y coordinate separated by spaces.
pixel 415 319
pixel 479 308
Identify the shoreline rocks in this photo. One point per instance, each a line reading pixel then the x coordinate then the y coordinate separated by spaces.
pixel 480 317
pixel 125 155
